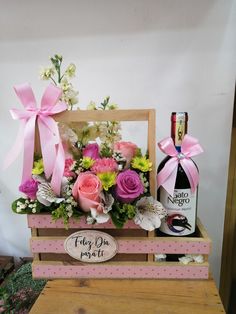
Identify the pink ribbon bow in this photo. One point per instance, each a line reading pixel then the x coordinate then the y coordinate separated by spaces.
pixel 51 146
pixel 167 176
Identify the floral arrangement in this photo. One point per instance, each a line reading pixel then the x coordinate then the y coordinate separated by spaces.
pixel 104 177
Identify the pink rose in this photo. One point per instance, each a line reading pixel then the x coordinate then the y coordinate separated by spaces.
pixel 86 191
pixel 92 151
pixel 30 188
pixel 128 186
pixel 104 165
pixel 67 170
pixel 127 149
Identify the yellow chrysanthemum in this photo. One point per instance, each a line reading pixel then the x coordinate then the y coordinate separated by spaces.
pixel 38 167
pixel 141 163
pixel 108 179
pixel 87 162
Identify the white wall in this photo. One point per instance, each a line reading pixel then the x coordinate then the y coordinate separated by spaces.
pixel 169 55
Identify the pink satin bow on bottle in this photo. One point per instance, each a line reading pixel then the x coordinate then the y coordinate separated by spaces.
pixel 51 146
pixel 189 148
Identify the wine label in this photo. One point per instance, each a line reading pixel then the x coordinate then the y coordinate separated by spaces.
pixel 181 212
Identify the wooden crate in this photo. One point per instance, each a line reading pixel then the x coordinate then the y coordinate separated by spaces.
pixel 51 261
pixel 136 247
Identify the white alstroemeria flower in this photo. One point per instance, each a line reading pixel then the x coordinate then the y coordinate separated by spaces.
pixel 107 202
pixel 149 213
pixel 185 260
pixel 90 220
pixel 191 258
pixel 65 187
pixel 99 217
pixel 198 258
pixel 39 178
pixel 160 257
pixel 46 196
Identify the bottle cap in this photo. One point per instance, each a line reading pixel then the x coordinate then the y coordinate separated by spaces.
pixel 177 116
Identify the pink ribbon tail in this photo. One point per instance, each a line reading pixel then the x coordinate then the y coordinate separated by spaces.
pixel 167 176
pixel 58 169
pixel 191 172
pixel 14 152
pixel 28 158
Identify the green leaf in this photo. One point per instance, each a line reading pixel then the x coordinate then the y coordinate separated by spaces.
pixel 117 220
pixel 105 150
pixel 121 213
pixel 14 206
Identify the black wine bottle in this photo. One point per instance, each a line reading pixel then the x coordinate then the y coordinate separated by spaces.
pixel 182 206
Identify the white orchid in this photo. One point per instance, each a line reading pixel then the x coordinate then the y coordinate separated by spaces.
pixel 99 217
pixel 107 202
pixel 188 258
pixel 46 196
pixel 149 213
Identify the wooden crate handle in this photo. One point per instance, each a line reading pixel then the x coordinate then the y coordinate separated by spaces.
pixel 148 115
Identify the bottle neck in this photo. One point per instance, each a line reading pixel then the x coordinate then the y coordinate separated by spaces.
pixel 179 127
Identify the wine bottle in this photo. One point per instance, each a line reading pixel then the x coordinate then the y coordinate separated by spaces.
pixel 182 206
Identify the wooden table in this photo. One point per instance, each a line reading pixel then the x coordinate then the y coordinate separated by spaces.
pixel 129 296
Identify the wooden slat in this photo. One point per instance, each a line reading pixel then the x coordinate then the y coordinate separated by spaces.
pixel 120 270
pixel 113 232
pixel 152 150
pixel 228 249
pixel 129 296
pixel 100 115
pixel 128 245
pixel 152 157
pixel 45 221
pixel 116 258
pixel 124 263
pixel 34 233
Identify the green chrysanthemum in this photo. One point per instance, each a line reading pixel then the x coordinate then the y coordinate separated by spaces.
pixel 38 167
pixel 87 162
pixel 108 179
pixel 141 163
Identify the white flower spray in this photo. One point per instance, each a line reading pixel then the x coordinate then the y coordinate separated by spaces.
pixel 62 80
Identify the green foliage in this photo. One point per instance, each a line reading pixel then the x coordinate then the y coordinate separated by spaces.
pixel 138 152
pixel 105 150
pixel 120 214
pixel 14 206
pixel 105 103
pixel 19 291
pixel 61 213
pixel 128 210
pixel 28 209
pixel 57 61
